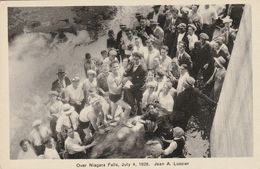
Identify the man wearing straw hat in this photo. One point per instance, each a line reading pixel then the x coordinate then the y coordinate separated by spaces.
pixel 75 94
pixel 186 103
pixel 68 119
pixel 38 135
pixel 158 34
pixel 218 77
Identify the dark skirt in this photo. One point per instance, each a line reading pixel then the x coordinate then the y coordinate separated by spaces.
pixel 114 97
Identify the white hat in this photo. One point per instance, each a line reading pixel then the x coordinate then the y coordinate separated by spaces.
pixel 67 109
pixel 36 123
pixel 227 20
pixel 75 79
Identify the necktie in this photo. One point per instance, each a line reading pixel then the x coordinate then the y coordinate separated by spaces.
pixel 71 123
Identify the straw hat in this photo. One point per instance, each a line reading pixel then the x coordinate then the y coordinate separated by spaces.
pixel 178 132
pixel 75 79
pixel 192 26
pixel 91 72
pixel 67 109
pixel 220 61
pixel 227 20
pixel 36 123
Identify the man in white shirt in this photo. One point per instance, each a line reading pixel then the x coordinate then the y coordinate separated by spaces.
pixel 74 147
pixel 26 152
pixel 209 17
pixel 166 100
pixel 75 94
pixel 38 135
pixel 165 59
pixel 183 75
pixel 192 37
pixel 68 119
pixel 149 54
pixel 50 151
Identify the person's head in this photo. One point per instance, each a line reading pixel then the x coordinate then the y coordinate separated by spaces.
pixel 183 69
pixel 137 56
pixel 138 16
pixel 87 56
pixel 156 8
pixel 164 50
pixel 114 65
pixel 75 82
pixel 150 75
pixel 182 27
pixel 156 61
pixel 217 45
pixel 166 87
pixel 105 68
pixel 138 41
pixel 159 74
pixel 174 12
pixel 123 27
pixel 168 15
pixel 129 33
pixel 181 46
pixel 61 72
pixel 178 132
pixel 111 33
pixel 24 144
pixel 189 82
pixel 174 64
pixel 206 6
pixel 153 24
pixel 103 54
pixel 151 86
pixel 227 22
pixel 70 133
pixel 204 37
pixel 96 103
pixel 37 124
pixel 191 29
pixel 194 8
pixel 184 12
pixel 143 22
pixel 53 95
pixel 112 54
pixel 125 62
pixel 91 74
pixel 149 44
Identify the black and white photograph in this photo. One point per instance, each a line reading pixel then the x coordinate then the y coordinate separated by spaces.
pixel 130 82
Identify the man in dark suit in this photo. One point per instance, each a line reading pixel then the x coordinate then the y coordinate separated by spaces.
pixel 157 16
pixel 137 75
pixel 143 31
pixel 181 35
pixel 61 83
pixel 182 56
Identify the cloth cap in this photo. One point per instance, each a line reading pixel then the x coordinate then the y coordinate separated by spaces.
pixel 192 26
pixel 75 79
pixel 204 36
pixel 182 25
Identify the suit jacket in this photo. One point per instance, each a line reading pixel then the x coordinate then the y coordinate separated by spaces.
pixel 137 77
pixel 161 18
pixel 184 59
pixel 56 85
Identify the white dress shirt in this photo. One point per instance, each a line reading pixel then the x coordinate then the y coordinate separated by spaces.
pixel 76 95
pixel 64 120
pixel 72 145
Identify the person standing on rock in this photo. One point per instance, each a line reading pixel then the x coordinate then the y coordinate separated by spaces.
pixel 61 83
pixel 89 64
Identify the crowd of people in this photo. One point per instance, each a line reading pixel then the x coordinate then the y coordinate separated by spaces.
pixel 148 75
